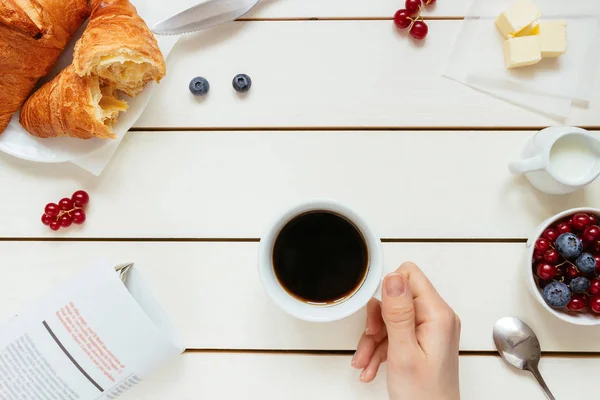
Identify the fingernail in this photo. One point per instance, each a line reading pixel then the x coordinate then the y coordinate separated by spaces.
pixel 363 375
pixel 353 363
pixel 395 285
pixel 368 331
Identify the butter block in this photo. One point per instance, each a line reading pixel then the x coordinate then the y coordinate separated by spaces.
pixel 554 38
pixel 522 51
pixel 518 16
pixel 530 30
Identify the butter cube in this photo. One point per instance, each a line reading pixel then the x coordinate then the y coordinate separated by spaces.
pixel 530 30
pixel 518 16
pixel 554 38
pixel 522 51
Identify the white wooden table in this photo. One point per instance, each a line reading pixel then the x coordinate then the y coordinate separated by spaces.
pixel 343 107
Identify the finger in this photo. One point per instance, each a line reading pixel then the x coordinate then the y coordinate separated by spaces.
pixel 429 303
pixel 433 316
pixel 398 309
pixel 380 356
pixel 366 348
pixel 374 318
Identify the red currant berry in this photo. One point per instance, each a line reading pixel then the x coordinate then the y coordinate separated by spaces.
pixel 578 302
pixel 402 19
pixel 419 30
pixel 80 198
pixel 551 234
pixel 595 304
pixel 538 255
pixel 592 233
pixel 52 209
pixel 597 258
pixel 563 227
pixel 55 225
pixel 46 219
pixel 546 271
pixel 542 244
pixel 594 287
pixel 580 221
pixel 78 217
pixel 593 219
pixel 65 204
pixel 572 271
pixel 413 6
pixel 559 273
pixel 551 256
pixel 65 220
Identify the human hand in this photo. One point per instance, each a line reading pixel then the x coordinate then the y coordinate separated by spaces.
pixel 417 333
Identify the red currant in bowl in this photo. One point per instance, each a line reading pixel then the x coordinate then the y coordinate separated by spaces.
pixel 581 221
pixel 560 272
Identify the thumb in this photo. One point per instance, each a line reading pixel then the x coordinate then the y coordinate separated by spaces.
pixel 398 310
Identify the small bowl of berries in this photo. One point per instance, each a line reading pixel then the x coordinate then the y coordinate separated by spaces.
pixel 564 255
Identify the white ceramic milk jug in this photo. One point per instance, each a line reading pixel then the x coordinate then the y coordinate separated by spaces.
pixel 560 159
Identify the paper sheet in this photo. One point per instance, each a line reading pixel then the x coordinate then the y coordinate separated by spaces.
pixel 551 87
pixel 91 339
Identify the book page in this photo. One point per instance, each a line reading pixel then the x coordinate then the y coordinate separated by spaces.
pixel 88 340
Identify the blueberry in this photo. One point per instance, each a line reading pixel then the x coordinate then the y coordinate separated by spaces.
pixel 242 83
pixel 580 285
pixel 199 86
pixel 586 263
pixel 569 246
pixel 557 294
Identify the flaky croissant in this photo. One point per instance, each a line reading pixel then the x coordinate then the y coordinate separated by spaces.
pixel 116 51
pixel 74 106
pixel 33 33
pixel 118 47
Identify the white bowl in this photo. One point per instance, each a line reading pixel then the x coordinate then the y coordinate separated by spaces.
pixel 585 319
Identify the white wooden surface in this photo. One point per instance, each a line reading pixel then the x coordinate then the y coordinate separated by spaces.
pixel 349 9
pixel 213 293
pixel 327 9
pixel 329 74
pixel 436 182
pixel 297 377
pixel 421 184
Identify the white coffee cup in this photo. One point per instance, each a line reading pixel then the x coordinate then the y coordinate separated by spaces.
pixel 560 159
pixel 369 288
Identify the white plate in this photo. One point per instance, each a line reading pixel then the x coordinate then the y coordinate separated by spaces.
pixel 17 142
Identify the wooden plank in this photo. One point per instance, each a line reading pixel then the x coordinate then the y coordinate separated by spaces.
pixel 232 184
pixel 329 74
pixel 306 9
pixel 266 377
pixel 213 293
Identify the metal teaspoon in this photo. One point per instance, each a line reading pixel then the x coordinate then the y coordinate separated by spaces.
pixel 519 346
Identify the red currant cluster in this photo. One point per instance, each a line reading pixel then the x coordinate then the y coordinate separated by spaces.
pixel 410 17
pixel 68 211
pixel 567 256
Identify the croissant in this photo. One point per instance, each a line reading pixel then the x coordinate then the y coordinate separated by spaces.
pixel 117 51
pixel 118 47
pixel 33 33
pixel 74 106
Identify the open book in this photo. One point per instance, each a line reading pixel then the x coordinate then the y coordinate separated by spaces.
pixel 95 337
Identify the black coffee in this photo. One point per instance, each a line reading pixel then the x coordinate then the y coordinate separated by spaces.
pixel 320 257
